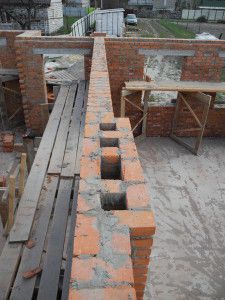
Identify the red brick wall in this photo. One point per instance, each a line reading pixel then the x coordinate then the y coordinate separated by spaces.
pixel 31 70
pixel 8 61
pixel 13 100
pixel 8 53
pixel 123 56
pixel 160 119
pixel 124 64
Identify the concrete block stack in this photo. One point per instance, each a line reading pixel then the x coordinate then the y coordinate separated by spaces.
pixel 115 224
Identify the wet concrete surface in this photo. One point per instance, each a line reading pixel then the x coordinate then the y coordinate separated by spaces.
pixel 188 199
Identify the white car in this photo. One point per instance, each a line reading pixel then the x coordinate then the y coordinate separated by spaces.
pixel 131 19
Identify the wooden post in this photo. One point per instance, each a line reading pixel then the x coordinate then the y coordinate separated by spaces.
pixel 205 117
pixel 3 110
pixel 44 115
pixel 175 118
pixel 22 173
pixel 29 147
pixel 10 219
pixel 145 112
pixel 56 89
pixel 122 106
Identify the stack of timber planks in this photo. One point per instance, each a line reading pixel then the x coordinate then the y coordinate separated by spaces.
pixel 36 260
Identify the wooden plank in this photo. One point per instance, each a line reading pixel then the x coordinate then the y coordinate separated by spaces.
pixel 56 90
pixel 28 202
pixel 49 282
pixel 9 261
pixel 204 120
pixel 56 161
pixel 29 148
pixel 81 136
pixel 44 115
pixel 67 273
pixel 3 109
pixel 145 112
pixel 122 107
pixel 22 173
pixel 4 207
pixel 31 258
pixel 69 162
pixel 182 86
pixel 175 118
pixel 11 200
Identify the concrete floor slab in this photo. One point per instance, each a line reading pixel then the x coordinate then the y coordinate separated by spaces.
pixel 188 199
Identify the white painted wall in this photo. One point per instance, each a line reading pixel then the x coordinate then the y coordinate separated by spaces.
pixel 164 4
pixel 110 21
pixel 140 2
pixel 55 16
pixel 210 14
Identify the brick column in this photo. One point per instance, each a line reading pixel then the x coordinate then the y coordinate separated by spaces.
pixel 32 84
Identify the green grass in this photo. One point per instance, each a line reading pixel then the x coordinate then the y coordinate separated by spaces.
pixel 177 30
pixel 68 22
pixel 223 74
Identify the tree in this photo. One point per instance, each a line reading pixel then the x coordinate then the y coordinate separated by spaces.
pixel 24 12
pixel 194 4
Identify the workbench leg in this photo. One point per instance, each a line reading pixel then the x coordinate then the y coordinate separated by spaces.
pixel 145 112
pixel 205 117
pixel 122 107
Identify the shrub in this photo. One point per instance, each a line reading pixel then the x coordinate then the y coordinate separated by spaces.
pixel 202 19
pixel 221 21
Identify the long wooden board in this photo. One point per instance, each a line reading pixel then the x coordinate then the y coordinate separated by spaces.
pixel 69 161
pixel 48 287
pixel 56 161
pixel 81 136
pixel 9 261
pixel 180 86
pixel 23 288
pixel 28 203
pixel 67 273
